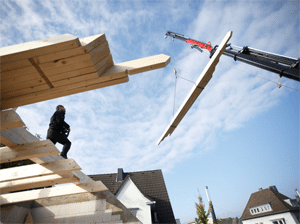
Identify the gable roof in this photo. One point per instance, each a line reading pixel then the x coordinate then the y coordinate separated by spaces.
pixel 265 196
pixel 150 183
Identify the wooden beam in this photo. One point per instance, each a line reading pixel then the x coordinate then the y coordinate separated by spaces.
pixel 59 92
pixel 27 151
pixel 201 82
pixel 5 141
pixel 10 119
pixel 59 68
pixel 35 170
pixel 37 182
pixel 87 44
pixel 17 136
pixel 139 65
pixel 51 192
pixel 106 71
pixel 39 47
pixel 93 41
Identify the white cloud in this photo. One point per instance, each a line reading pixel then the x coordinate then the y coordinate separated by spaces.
pixel 121 124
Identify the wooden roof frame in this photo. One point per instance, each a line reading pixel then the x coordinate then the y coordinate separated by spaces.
pixel 63 65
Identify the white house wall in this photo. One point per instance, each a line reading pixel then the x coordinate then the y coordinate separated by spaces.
pixel 289 219
pixel 131 197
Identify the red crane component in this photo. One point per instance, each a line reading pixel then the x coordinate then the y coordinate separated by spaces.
pixel 200 44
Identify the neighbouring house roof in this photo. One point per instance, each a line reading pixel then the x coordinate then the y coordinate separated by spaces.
pixel 267 196
pixel 150 183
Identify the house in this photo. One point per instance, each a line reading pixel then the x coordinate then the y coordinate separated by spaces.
pixel 143 193
pixel 270 206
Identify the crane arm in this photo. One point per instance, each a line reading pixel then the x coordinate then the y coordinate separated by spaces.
pixel 282 65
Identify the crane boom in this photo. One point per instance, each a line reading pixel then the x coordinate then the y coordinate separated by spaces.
pixel 282 65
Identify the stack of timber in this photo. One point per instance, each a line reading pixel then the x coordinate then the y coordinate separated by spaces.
pixel 34 194
pixel 63 65
pixel 41 70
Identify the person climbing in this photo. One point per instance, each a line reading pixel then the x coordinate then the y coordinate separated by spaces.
pixel 59 130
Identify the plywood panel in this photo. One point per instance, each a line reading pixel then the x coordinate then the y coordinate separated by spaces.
pixel 197 89
pixel 35 170
pixel 51 192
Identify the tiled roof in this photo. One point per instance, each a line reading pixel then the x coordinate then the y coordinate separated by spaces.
pixel 266 196
pixel 151 184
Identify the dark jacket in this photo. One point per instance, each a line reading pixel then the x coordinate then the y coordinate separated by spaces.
pixel 57 121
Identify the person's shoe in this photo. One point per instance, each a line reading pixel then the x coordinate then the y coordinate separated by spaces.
pixel 64 156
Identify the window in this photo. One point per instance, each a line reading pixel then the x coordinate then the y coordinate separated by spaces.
pixel 278 221
pixel 261 209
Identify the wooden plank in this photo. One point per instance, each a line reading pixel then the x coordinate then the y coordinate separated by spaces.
pixel 10 119
pixel 5 141
pixel 100 52
pixel 15 65
pixel 59 92
pixel 93 41
pixel 71 74
pixel 23 91
pixel 51 192
pixel 18 136
pixel 139 65
pixel 18 85
pixel 105 63
pixel 70 83
pixel 15 86
pixel 17 73
pixel 41 73
pixel 35 170
pixel 201 82
pixel 44 58
pixel 106 73
pixel 60 55
pixel 37 182
pixel 39 47
pixel 60 63
pixel 88 44
pixel 27 151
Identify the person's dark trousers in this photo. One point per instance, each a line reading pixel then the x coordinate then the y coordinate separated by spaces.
pixel 55 136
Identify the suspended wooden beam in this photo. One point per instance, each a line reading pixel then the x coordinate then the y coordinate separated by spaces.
pixel 36 170
pixel 51 192
pixel 27 151
pixel 201 82
pixel 37 182
pixel 10 119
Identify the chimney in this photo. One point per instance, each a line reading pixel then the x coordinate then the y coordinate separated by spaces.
pixel 273 188
pixel 260 189
pixel 120 175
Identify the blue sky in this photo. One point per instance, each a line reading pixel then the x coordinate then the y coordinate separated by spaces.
pixel 241 134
